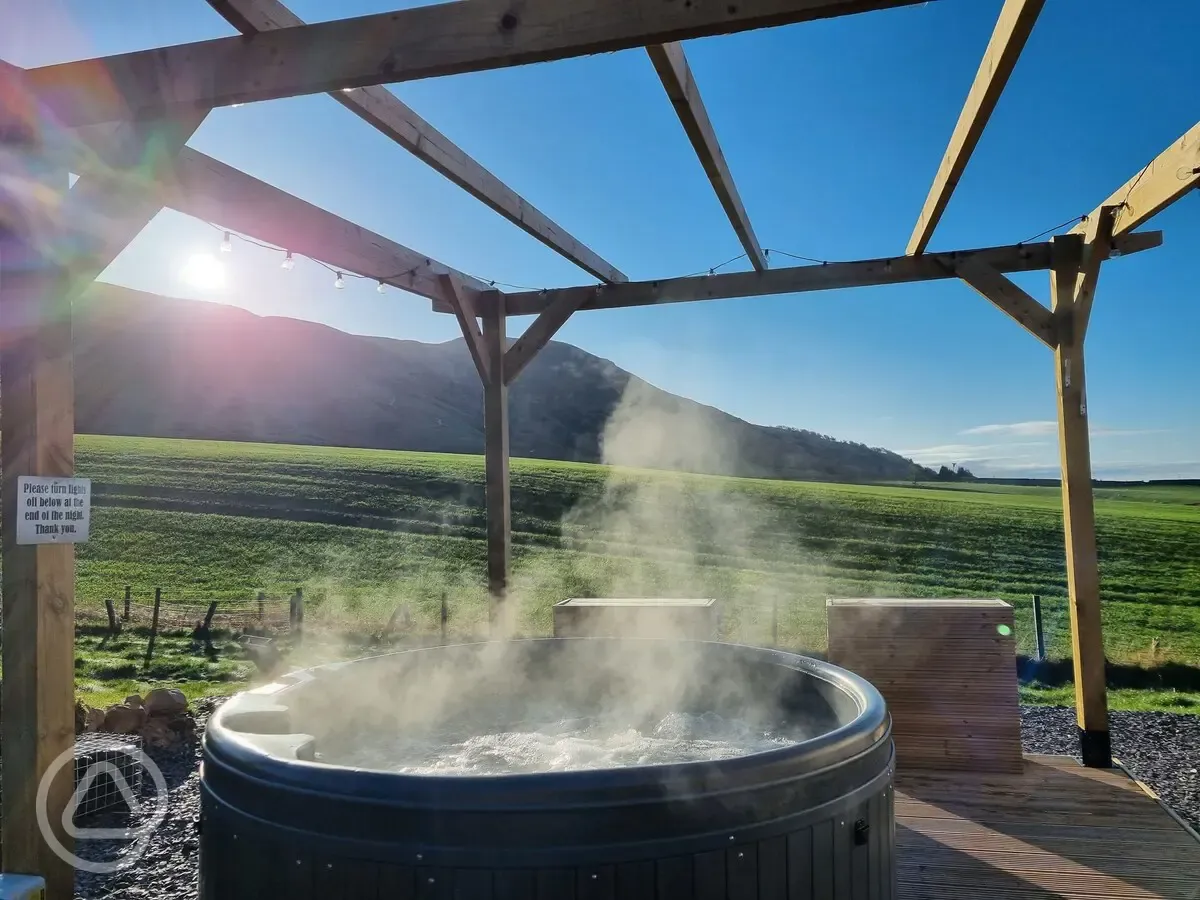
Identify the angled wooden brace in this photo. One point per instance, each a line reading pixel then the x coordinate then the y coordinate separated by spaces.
pixel 1097 246
pixel 464 311
pixel 1009 298
pixel 539 334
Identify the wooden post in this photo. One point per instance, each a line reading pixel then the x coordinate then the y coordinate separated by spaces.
pixel 1079 514
pixel 262 605
pixel 212 611
pixel 128 601
pixel 114 627
pixel 38 423
pixel 296 617
pixel 1038 634
pixel 445 617
pixel 153 626
pixel 499 523
pixel 774 621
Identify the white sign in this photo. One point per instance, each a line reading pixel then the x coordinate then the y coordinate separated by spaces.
pixel 53 510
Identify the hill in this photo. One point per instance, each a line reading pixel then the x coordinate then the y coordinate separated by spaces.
pixel 147 365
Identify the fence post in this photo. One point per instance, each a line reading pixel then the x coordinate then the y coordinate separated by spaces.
pixel 775 622
pixel 128 598
pixel 114 627
pixel 153 626
pixel 262 604
pixel 212 611
pixel 445 616
pixel 297 614
pixel 1037 628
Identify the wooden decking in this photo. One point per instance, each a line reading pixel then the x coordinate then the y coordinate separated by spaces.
pixel 1055 830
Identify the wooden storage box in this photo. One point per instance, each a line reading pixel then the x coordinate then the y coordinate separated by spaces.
pixel 947 669
pixel 658 617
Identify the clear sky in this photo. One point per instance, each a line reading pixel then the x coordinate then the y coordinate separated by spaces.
pixel 833 131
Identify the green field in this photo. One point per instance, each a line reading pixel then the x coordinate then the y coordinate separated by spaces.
pixel 363 531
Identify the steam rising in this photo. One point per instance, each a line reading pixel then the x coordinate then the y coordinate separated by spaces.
pixel 504 707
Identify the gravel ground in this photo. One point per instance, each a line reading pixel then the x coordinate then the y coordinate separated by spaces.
pixel 167 867
pixel 1161 749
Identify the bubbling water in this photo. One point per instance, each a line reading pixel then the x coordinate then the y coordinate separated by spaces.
pixel 556 744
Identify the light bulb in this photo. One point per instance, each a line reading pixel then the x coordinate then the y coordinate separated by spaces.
pixel 226 243
pixel 379 290
pixel 339 282
pixel 288 262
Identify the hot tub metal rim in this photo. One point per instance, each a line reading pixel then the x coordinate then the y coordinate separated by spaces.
pixel 526 799
pixel 861 733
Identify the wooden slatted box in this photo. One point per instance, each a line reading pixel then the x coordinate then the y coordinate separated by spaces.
pixel 947 669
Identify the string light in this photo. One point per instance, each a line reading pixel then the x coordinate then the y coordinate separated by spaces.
pixel 289 262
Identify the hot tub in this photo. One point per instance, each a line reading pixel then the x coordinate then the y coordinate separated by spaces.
pixel 331 783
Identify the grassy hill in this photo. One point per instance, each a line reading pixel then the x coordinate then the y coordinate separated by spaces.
pixel 364 530
pixel 153 366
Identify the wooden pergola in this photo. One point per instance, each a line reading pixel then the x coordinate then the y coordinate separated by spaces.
pixel 121 123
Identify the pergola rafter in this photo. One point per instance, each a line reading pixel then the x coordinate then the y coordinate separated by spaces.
pixel 1013 28
pixel 124 104
pixel 1164 180
pixel 676 75
pixel 389 115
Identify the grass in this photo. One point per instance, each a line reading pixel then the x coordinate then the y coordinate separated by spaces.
pixel 1123 699
pixel 108 670
pixel 363 531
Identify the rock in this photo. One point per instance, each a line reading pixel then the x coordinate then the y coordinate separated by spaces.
pixel 157 733
pixel 133 700
pixel 183 723
pixel 122 719
pixel 81 713
pixel 94 720
pixel 165 702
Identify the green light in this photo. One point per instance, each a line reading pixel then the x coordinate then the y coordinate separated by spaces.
pixel 1004 630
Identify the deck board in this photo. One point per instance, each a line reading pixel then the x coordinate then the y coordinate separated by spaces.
pixel 1056 830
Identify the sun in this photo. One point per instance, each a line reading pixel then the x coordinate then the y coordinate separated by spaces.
pixel 203 271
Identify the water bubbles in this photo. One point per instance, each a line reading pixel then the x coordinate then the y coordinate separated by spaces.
pixel 556 744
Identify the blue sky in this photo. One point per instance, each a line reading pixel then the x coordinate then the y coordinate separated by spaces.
pixel 833 131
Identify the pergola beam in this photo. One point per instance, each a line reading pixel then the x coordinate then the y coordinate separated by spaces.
pixel 1012 30
pixel 215 192
pixel 676 75
pixel 388 114
pixel 1164 180
pixel 387 48
pixel 801 279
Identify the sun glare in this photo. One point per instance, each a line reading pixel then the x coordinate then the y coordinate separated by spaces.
pixel 203 271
